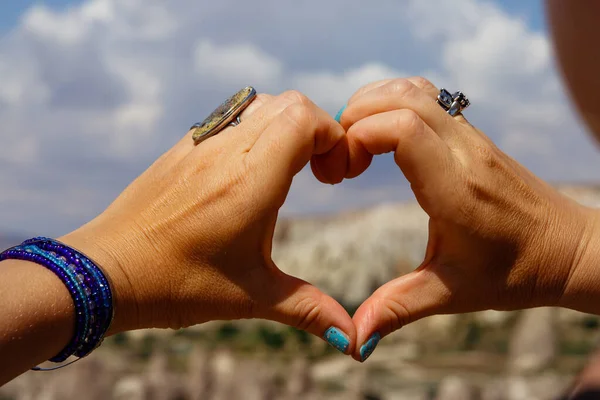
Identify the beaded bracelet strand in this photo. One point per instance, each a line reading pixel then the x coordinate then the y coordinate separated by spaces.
pixel 87 284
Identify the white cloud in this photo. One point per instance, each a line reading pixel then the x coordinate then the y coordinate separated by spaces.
pixel 308 195
pixel 442 20
pixel 135 121
pixel 21 84
pixel 237 64
pixel 333 90
pixel 67 28
pixel 507 70
pixel 91 94
pixel 501 51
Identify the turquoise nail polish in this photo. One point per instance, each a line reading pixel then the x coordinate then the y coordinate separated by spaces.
pixel 337 339
pixel 367 349
pixel 338 116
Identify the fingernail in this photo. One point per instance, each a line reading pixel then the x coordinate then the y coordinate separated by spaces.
pixel 367 349
pixel 337 338
pixel 338 116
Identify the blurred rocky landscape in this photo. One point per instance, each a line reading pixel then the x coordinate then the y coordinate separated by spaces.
pixel 531 354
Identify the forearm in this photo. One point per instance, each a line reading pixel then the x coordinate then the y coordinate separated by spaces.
pixel 37 312
pixel 36 317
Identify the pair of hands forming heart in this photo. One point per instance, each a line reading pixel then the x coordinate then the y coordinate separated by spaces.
pixel 190 240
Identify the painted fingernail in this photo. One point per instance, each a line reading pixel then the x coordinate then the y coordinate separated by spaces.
pixel 337 338
pixel 338 116
pixel 367 349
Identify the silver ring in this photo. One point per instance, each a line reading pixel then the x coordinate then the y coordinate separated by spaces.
pixel 453 104
pixel 227 114
pixel 236 121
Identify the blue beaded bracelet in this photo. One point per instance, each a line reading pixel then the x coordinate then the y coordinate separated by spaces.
pixel 87 284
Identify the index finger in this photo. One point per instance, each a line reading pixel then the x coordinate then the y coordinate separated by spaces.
pixel 395 95
pixel 418 81
pixel 367 88
pixel 297 134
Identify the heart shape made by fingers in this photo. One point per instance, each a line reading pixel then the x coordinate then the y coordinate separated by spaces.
pixel 491 223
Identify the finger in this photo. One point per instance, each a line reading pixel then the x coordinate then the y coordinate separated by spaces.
pixel 433 91
pixel 396 304
pixel 259 112
pixel 331 167
pixel 426 85
pixel 242 137
pixel 363 158
pixel 367 88
pixel 400 94
pixel 299 304
pixel 259 101
pixel 418 81
pixel 252 128
pixel 186 144
pixel 421 155
pixel 288 144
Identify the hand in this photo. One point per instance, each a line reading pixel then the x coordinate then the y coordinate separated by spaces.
pixel 190 240
pixel 499 237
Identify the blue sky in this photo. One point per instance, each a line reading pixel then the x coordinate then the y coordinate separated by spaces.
pixel 11 11
pixel 113 84
pixel 531 10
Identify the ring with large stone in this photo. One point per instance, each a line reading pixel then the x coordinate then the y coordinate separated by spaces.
pixel 226 114
pixel 453 104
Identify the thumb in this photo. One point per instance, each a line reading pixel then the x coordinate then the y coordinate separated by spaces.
pixel 396 304
pixel 301 305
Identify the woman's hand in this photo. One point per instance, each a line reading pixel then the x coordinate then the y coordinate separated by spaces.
pixel 190 240
pixel 499 237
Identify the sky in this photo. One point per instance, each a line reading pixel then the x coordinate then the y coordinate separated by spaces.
pixel 93 91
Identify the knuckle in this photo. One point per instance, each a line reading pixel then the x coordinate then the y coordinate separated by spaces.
pixel 296 97
pixel 262 98
pixel 309 312
pixel 363 90
pixel 399 314
pixel 400 87
pixel 259 101
pixel 300 114
pixel 360 92
pixel 409 123
pixel 423 83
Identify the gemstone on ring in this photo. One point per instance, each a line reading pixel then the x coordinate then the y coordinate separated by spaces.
pixel 453 104
pixel 445 99
pixel 223 115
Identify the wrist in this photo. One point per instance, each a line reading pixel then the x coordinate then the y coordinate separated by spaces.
pixel 582 287
pixel 109 258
